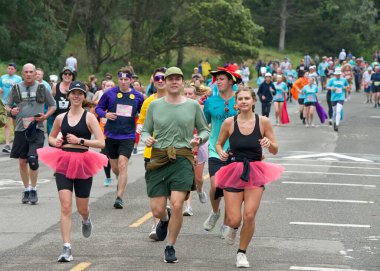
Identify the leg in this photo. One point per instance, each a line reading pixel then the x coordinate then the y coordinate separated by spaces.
pixel 338 109
pixel 115 166
pixel 24 172
pixel 176 203
pixel 311 114
pixel 7 129
pixel 252 198
pixel 33 177
pixel 233 202
pixel 198 175
pixel 158 207
pixel 122 178
pixel 215 203
pixel 65 197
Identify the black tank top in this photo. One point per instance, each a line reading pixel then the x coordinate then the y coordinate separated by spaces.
pixel 63 104
pixel 247 146
pixel 80 130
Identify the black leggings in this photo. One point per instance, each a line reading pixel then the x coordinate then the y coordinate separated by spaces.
pixel 82 187
pixel 328 100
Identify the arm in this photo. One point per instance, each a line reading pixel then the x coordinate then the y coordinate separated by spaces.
pixel 268 140
pixel 53 140
pixel 147 131
pixel 223 136
pixel 201 125
pixel 94 127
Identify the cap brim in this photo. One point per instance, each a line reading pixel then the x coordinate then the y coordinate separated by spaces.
pixel 215 73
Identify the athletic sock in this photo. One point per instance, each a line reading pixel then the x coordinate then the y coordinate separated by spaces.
pixel 67 245
pixel 241 251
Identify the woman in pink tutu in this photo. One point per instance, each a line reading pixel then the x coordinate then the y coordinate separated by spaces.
pixel 244 176
pixel 74 164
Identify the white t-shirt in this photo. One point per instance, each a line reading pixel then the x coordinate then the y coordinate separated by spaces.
pixel 71 62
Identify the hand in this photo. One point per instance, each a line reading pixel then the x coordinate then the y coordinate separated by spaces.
pixel 111 116
pixel 196 141
pixel 265 142
pixel 59 142
pixel 41 117
pixel 223 155
pixel 72 139
pixel 139 128
pixel 15 111
pixel 149 142
pixel 263 98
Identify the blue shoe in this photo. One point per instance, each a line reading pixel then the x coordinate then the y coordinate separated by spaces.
pixel 162 227
pixel 107 182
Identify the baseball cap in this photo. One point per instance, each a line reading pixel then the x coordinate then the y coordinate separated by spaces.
pixel 53 77
pixel 337 71
pixel 268 74
pixel 173 71
pixel 77 85
pixel 66 68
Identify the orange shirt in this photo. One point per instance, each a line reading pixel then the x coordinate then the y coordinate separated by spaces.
pixel 298 85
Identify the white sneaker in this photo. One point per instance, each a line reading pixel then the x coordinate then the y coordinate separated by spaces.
pixel 223 231
pixel 153 234
pixel 188 211
pixel 210 222
pixel 202 196
pixel 241 260
pixel 230 235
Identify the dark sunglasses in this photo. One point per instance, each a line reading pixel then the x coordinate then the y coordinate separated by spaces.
pixel 159 77
pixel 67 73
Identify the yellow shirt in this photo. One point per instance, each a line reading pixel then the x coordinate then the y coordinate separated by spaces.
pixel 141 120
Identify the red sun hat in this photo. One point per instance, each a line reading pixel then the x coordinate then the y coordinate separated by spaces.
pixel 230 71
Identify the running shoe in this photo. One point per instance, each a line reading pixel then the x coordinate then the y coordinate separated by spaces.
pixel 303 121
pixel 202 196
pixel 210 222
pixel 25 197
pixel 107 182
pixel 241 260
pixel 170 255
pixel 66 255
pixel 330 122
pixel 7 149
pixel 223 231
pixel 335 127
pixel 134 150
pixel 33 198
pixel 153 234
pixel 188 211
pixel 230 235
pixel 162 227
pixel 87 228
pixel 119 204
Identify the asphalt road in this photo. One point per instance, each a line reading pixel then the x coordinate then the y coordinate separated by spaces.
pixel 322 215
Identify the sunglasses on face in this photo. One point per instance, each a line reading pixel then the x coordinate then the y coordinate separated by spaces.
pixel 159 77
pixel 67 73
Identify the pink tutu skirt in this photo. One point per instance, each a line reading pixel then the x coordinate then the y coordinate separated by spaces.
pixel 74 165
pixel 261 173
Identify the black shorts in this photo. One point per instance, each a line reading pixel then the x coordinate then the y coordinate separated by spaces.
pixel 23 148
pixel 334 103
pixel 375 89
pixel 117 147
pixel 301 101
pixel 214 164
pixel 236 190
pixel 82 187
pixel 307 104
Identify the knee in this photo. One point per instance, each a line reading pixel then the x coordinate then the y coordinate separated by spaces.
pixel 158 211
pixel 249 217
pixel 176 207
pixel 33 162
pixel 83 210
pixel 66 209
pixel 233 221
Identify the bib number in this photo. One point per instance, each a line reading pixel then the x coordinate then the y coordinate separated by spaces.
pixel 124 110
pixel 377 83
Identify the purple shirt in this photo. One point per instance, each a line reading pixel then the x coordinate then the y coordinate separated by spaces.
pixel 107 102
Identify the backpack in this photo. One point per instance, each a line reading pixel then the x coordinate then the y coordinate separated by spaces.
pixel 40 94
pixel 3 115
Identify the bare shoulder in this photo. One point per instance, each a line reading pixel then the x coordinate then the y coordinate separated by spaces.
pixel 229 121
pixel 265 122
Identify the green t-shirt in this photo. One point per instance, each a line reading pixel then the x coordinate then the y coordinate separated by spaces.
pixel 173 124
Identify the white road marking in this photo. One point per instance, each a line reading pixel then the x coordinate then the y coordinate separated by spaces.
pixel 310 268
pixel 347 167
pixel 333 184
pixel 332 173
pixel 331 200
pixel 375 117
pixel 328 154
pixel 311 160
pixel 329 224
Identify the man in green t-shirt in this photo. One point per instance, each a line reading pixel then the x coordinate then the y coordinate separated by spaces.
pixel 172 119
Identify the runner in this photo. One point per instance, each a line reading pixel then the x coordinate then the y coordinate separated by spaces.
pixel 120 106
pixel 73 163
pixel 244 177
pixel 322 71
pixel 168 128
pixel 310 91
pixel 216 109
pixel 297 93
pixel 279 97
pixel 159 85
pixel 375 79
pixel 7 81
pixel 338 87
pixel 367 84
pixel 265 93
pixel 26 102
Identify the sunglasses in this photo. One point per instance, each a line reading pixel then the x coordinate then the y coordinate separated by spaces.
pixel 226 109
pixel 159 77
pixel 67 73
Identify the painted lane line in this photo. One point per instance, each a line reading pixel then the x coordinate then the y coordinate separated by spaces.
pixel 327 162
pixel 333 184
pixel 328 154
pixel 80 266
pixel 308 165
pixel 330 200
pixel 309 268
pixel 329 224
pixel 332 173
pixel 141 220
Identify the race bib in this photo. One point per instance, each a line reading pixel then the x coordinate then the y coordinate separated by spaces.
pixel 338 90
pixel 302 68
pixel 310 99
pixel 124 110
pixel 24 95
pixel 27 121
pixel 376 83
pixel 278 96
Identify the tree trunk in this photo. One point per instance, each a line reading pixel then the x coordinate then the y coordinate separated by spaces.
pixel 180 56
pixel 283 16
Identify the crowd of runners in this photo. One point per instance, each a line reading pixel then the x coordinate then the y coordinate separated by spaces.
pixel 185 123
